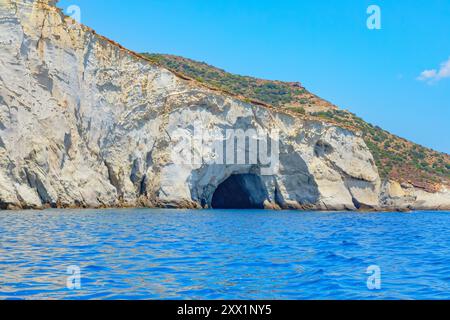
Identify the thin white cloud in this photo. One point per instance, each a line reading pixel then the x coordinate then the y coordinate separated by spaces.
pixel 434 75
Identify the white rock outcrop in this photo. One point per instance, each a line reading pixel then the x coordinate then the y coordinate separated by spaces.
pixel 87 123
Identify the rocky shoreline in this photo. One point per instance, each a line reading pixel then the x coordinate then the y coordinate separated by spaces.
pixel 85 123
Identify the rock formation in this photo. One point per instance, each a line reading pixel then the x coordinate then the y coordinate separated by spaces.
pixel 87 123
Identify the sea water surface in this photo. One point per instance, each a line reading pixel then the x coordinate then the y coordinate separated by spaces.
pixel 236 254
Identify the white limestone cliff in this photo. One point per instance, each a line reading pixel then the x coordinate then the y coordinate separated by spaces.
pixel 87 123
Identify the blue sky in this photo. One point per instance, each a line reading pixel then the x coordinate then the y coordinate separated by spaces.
pixel 325 44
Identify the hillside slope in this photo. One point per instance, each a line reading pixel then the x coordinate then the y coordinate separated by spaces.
pixel 396 158
pixel 85 122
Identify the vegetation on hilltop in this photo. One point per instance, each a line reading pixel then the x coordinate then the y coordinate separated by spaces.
pixel 396 158
pixel 275 93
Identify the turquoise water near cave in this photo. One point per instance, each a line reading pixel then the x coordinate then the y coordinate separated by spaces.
pixel 235 254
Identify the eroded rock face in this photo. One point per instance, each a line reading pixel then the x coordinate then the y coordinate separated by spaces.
pixel 86 123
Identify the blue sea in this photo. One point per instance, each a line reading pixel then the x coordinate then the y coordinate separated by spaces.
pixel 235 254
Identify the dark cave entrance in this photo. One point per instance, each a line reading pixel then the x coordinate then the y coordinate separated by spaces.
pixel 240 191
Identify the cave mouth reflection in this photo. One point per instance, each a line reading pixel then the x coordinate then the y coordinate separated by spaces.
pixel 240 191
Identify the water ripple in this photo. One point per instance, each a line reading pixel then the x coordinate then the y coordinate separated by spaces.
pixel 182 254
